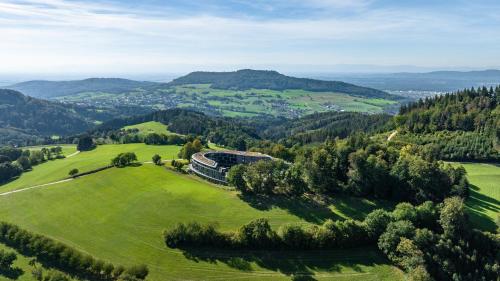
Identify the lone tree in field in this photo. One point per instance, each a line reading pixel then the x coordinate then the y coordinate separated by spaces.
pixel 157 159
pixel 85 143
pixel 73 172
pixel 124 159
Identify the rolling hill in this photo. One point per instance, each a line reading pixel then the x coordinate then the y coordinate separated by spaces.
pixel 51 89
pixel 38 117
pixel 25 120
pixel 246 79
pixel 463 126
pixel 119 214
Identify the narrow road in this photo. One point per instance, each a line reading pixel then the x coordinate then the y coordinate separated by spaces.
pixel 59 181
pixel 36 186
pixel 73 154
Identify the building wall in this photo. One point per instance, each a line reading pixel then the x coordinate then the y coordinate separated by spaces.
pixel 224 161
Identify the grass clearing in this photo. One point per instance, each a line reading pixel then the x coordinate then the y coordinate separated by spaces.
pixel 85 161
pixel 150 127
pixel 67 149
pixel 119 215
pixel 484 200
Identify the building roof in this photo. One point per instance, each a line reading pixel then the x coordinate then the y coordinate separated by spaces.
pixel 202 158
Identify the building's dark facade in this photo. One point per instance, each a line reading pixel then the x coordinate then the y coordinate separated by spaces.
pixel 213 165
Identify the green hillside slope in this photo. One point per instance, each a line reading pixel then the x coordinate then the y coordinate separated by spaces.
pixel 50 89
pixel 259 79
pixel 119 215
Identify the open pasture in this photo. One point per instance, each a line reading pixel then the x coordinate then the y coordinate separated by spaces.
pixel 119 215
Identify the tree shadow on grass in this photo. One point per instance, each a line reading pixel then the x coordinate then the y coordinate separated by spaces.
pixel 479 203
pixel 317 209
pixel 357 207
pixel 11 273
pixel 298 265
pixel 305 208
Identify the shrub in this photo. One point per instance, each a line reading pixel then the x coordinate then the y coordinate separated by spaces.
pixel 124 159
pixel 73 172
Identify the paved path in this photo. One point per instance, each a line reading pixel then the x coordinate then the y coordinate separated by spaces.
pixel 393 134
pixel 73 154
pixel 60 181
pixel 36 186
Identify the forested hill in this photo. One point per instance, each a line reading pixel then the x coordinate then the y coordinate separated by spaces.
pixel 22 116
pixel 319 127
pixel 221 130
pixel 49 89
pixel 260 79
pixel 461 126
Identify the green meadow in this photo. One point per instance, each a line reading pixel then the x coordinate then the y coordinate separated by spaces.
pixel 119 215
pixel 238 103
pixel 484 200
pixel 150 127
pixel 55 170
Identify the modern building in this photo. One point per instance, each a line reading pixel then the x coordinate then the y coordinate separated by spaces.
pixel 214 165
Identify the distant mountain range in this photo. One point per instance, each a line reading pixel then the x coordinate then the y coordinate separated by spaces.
pixel 238 80
pixel 50 89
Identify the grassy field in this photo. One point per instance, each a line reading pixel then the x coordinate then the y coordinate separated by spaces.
pixel 484 200
pixel 150 127
pixel 243 103
pixel 119 215
pixel 85 161
pixel 67 149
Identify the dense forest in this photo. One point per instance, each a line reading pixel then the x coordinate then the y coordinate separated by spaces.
pixel 26 120
pixel 38 117
pixel 259 79
pixel 221 130
pixel 318 127
pixel 459 126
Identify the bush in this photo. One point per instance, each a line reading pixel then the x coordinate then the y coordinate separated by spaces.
pixel 138 271
pixel 156 159
pixel 124 159
pixel 194 234
pixel 376 222
pixel 6 260
pixel 9 170
pixel 256 234
pixel 85 143
pixel 73 172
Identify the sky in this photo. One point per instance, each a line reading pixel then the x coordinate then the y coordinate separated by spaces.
pixel 153 36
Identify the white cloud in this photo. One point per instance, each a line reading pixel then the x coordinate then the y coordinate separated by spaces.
pixel 56 34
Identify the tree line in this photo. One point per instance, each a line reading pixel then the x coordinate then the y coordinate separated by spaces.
pixel 429 241
pixel 356 166
pixel 66 258
pixel 14 161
